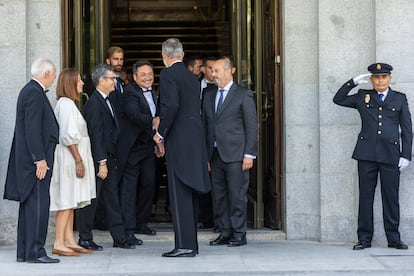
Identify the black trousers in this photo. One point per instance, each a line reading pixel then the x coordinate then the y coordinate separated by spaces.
pixel 108 190
pixel 390 182
pixel 138 186
pixel 229 189
pixel 183 204
pixel 33 222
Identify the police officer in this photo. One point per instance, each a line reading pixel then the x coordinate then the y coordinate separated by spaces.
pixel 378 149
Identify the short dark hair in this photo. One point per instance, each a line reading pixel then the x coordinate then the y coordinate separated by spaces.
pixel 190 60
pixel 140 63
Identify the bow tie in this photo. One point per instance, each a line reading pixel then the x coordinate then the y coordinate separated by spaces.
pixel 47 90
pixel 148 90
pixel 107 98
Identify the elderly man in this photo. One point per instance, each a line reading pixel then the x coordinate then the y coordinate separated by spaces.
pixel 378 150
pixel 31 162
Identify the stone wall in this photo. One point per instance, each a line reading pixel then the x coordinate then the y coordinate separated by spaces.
pixel 327 43
pixel 30 29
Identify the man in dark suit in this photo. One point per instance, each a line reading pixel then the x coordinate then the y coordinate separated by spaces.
pixel 229 116
pixel 378 150
pixel 31 163
pixel 136 149
pixel 103 129
pixel 180 129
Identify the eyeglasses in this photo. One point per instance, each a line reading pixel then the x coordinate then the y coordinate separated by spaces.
pixel 113 78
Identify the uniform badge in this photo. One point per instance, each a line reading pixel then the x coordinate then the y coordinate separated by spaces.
pixel 378 66
pixel 367 98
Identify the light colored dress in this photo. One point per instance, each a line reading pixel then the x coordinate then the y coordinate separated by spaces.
pixel 66 190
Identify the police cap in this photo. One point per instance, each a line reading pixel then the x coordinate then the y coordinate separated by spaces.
pixel 380 69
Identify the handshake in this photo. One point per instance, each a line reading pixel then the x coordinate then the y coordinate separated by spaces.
pixel 361 78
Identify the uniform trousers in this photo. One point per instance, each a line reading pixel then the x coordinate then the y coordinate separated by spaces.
pixel 390 182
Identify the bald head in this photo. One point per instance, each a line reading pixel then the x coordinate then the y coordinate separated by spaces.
pixel 222 74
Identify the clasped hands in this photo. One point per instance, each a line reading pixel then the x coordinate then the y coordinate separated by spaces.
pixel 157 139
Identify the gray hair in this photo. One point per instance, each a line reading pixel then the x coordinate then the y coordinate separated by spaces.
pixel 100 71
pixel 173 48
pixel 40 66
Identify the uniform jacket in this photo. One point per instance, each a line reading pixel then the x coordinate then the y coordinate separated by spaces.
pixel 379 139
pixel 103 128
pixel 234 126
pixel 135 121
pixel 35 137
pixel 181 126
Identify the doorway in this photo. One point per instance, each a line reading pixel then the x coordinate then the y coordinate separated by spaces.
pixel 248 30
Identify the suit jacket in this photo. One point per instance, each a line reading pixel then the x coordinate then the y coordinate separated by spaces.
pixel 181 126
pixel 379 139
pixel 36 134
pixel 135 121
pixel 103 128
pixel 234 126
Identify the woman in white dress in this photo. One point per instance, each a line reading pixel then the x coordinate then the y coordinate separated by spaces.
pixel 73 178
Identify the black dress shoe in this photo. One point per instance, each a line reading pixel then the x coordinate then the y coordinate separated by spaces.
pixel 181 252
pixel 237 242
pixel 220 241
pixel 398 245
pixel 145 230
pixel 89 244
pixel 44 260
pixel 124 245
pixel 131 239
pixel 20 260
pixel 361 245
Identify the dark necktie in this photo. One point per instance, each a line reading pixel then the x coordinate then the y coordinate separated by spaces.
pixel 118 85
pixel 220 100
pixel 381 97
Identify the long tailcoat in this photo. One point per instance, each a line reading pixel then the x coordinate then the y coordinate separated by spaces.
pixel 36 134
pixel 181 126
pixel 379 138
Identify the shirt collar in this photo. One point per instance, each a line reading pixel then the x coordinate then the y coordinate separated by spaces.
pixel 102 94
pixel 228 86
pixel 44 89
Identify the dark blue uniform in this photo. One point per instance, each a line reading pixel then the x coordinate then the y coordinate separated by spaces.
pixel 378 149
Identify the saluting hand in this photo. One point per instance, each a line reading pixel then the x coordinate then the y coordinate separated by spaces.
pixel 361 78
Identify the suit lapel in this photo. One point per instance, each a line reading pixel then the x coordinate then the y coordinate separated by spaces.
pixel 227 100
pixel 103 102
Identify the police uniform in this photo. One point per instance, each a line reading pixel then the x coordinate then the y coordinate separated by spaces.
pixel 378 150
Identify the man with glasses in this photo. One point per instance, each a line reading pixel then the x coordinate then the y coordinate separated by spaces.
pixel 103 128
